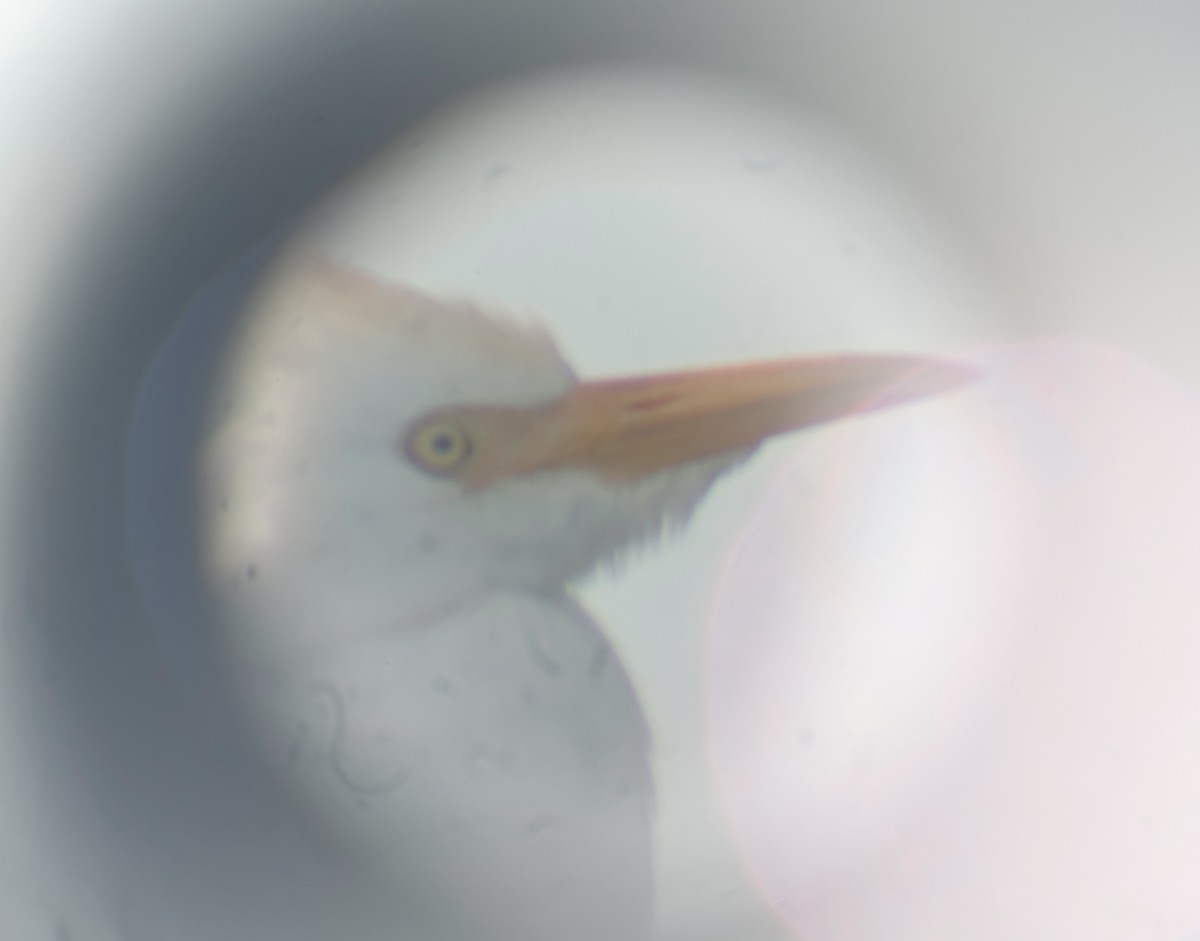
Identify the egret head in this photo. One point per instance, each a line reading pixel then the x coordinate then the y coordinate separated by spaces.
pixel 374 443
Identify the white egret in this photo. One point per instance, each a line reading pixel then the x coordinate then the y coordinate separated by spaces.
pixel 398 493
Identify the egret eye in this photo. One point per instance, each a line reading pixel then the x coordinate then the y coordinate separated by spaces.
pixel 438 447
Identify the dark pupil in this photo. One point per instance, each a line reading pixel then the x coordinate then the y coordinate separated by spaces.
pixel 443 443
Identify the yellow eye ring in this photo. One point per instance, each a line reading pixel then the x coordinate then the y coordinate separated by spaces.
pixel 439 447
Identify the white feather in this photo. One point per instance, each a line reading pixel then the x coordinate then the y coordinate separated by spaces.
pixel 389 628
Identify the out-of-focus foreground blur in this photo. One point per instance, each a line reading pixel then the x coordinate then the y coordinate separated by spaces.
pixel 929 677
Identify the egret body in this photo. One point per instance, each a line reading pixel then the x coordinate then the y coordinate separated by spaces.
pixel 398 493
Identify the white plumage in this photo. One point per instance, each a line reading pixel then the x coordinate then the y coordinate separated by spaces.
pixel 397 493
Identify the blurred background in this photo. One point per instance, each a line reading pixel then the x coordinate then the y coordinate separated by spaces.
pixel 979 615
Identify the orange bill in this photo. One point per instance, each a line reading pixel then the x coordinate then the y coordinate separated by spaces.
pixel 624 429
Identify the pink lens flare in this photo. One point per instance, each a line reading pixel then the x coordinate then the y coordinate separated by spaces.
pixel 952 663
